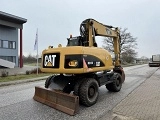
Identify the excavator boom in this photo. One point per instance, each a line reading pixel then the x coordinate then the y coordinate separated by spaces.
pixel 91 28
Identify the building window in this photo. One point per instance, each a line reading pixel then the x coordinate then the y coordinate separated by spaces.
pixel 14 45
pixel 5 44
pixel 11 44
pixel 9 58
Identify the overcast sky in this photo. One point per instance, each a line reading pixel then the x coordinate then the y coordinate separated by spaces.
pixel 56 20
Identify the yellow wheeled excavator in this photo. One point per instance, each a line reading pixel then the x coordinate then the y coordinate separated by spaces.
pixel 80 68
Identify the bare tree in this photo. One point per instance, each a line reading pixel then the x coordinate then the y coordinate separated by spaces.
pixel 128 56
pixel 127 41
pixel 127 44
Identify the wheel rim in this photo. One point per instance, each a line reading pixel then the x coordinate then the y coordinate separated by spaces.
pixel 91 92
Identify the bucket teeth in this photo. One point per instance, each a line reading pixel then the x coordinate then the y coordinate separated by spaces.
pixel 64 102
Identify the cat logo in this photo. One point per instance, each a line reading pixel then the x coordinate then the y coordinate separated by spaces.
pixel 49 60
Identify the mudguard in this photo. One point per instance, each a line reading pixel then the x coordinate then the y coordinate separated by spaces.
pixel 120 71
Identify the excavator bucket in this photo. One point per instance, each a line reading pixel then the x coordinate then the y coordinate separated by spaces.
pixel 64 102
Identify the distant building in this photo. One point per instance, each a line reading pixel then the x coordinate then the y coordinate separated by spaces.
pixel 10 25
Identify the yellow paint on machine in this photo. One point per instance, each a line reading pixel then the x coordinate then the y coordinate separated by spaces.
pixel 100 53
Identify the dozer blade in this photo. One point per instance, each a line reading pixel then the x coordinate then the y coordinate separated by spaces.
pixel 64 102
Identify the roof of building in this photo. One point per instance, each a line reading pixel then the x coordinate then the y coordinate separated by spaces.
pixel 12 18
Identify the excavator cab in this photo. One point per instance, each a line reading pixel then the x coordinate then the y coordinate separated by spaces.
pixel 79 41
pixel 75 41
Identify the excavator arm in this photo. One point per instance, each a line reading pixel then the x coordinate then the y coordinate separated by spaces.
pixel 90 28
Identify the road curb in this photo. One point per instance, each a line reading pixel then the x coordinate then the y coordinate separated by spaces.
pixel 22 81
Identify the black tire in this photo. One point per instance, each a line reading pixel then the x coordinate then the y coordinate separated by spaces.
pixel 48 81
pixel 116 85
pixel 77 86
pixel 88 92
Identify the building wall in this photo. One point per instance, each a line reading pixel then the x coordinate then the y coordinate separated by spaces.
pixel 9 44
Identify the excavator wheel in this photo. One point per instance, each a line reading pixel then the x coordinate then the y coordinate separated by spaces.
pixel 120 71
pixel 88 92
pixel 116 85
pixel 48 81
pixel 77 86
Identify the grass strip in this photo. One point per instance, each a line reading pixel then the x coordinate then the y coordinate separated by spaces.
pixel 22 77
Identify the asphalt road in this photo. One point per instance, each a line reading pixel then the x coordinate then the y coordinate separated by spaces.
pixel 16 101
